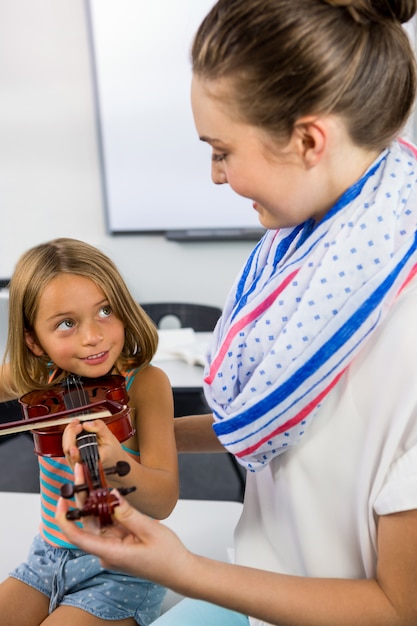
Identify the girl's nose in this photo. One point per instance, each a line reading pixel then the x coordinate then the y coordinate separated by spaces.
pixel 218 175
pixel 92 334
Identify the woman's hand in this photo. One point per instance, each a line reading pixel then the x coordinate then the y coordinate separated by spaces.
pixel 134 543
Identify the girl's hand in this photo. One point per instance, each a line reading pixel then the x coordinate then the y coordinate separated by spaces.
pixel 110 450
pixel 69 443
pixel 135 544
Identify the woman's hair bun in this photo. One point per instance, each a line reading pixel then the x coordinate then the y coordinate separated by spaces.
pixel 365 11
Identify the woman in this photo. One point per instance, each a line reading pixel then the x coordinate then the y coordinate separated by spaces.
pixel 311 375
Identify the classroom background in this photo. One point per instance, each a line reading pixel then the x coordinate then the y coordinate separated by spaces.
pixel 50 181
pixel 51 185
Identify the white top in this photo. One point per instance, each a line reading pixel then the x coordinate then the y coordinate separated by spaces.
pixel 311 511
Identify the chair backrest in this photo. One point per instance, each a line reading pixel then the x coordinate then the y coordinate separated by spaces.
pixel 200 317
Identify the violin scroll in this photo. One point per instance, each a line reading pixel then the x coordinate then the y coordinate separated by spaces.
pixel 100 501
pixel 101 504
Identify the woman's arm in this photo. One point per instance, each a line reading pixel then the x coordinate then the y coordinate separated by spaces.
pixel 145 548
pixel 194 433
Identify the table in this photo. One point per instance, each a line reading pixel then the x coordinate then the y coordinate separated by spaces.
pixel 206 528
pixel 181 354
pixel 183 376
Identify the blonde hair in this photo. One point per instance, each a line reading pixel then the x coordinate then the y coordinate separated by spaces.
pixel 34 270
pixel 285 59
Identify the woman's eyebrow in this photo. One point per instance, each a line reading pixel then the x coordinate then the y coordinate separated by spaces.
pixel 210 140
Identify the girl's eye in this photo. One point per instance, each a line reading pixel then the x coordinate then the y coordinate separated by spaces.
pixel 66 325
pixel 216 158
pixel 105 311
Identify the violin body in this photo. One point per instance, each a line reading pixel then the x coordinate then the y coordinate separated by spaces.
pixel 86 396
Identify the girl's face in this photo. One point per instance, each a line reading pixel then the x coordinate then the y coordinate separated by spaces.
pixel 76 328
pixel 276 180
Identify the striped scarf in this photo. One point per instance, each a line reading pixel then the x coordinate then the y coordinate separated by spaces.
pixel 305 304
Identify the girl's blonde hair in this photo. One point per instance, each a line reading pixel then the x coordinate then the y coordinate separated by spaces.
pixel 285 59
pixel 34 270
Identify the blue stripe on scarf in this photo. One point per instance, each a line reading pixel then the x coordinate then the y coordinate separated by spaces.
pixel 338 340
pixel 303 395
pixel 281 251
pixel 353 192
pixel 306 228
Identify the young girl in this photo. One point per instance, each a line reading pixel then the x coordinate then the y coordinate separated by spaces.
pixel 312 371
pixel 71 312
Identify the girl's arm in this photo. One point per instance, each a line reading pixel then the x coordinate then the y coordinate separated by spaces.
pixel 150 550
pixel 155 475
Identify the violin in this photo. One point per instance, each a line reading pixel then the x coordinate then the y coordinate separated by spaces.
pixel 50 410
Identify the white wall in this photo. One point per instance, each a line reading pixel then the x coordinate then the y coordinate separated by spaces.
pixel 50 182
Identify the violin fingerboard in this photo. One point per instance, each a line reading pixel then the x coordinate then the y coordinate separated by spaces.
pixel 88 447
pixel 76 397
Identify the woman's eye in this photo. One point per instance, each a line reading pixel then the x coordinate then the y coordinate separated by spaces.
pixel 105 311
pixel 66 325
pixel 216 158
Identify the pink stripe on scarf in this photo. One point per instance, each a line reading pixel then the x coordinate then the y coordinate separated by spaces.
pixel 409 278
pixel 243 322
pixel 311 405
pixel 409 146
pixel 296 419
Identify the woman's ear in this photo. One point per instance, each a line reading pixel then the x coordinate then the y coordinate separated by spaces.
pixel 310 136
pixel 32 343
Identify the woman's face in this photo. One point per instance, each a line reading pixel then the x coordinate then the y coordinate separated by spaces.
pixel 274 178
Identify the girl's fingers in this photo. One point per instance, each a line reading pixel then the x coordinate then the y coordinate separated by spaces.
pixel 69 442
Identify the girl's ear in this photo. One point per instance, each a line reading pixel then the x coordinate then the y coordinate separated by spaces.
pixel 32 343
pixel 310 137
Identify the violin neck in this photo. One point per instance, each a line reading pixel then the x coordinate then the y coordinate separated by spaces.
pixel 88 447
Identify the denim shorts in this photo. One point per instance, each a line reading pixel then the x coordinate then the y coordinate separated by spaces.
pixel 74 578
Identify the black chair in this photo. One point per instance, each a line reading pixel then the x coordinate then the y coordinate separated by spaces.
pixel 204 475
pixel 18 462
pixel 200 317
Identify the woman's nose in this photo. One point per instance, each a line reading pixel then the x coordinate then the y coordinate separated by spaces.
pixel 218 175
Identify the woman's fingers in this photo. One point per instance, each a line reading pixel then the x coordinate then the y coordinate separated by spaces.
pixel 129 526
pixel 102 542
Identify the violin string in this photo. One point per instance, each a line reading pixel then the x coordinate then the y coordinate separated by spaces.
pixel 87 442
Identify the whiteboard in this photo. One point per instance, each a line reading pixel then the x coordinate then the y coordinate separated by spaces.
pixel 156 172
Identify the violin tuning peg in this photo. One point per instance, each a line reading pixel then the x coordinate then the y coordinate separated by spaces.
pixel 121 469
pixel 68 490
pixel 73 515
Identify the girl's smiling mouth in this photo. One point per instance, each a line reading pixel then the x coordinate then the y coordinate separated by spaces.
pixel 96 358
